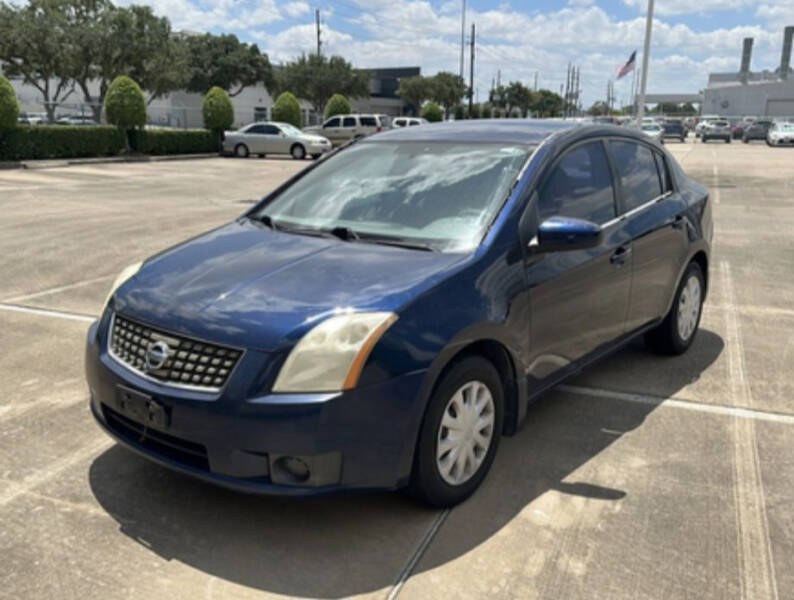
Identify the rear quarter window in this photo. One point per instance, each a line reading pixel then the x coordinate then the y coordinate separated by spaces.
pixel 368 122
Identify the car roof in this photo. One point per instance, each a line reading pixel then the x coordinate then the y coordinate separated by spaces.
pixel 517 131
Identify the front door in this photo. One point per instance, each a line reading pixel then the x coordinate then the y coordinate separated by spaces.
pixel 274 140
pixel 578 298
pixel 331 129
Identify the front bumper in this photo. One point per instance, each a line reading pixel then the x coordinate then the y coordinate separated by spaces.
pixel 318 148
pixel 360 439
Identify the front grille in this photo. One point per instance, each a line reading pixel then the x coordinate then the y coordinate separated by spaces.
pixel 177 449
pixel 190 363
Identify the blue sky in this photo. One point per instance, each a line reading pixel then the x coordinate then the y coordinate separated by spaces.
pixel 691 37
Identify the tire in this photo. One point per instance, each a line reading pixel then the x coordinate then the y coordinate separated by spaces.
pixel 745 140
pixel 673 335
pixel 683 139
pixel 727 140
pixel 768 143
pixel 316 156
pixel 298 152
pixel 261 155
pixel 428 482
pixel 703 139
pixel 241 151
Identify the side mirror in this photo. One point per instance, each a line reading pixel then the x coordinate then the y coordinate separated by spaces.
pixel 566 233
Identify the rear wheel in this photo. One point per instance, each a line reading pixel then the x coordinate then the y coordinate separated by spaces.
pixel 460 433
pixel 704 139
pixel 727 140
pixel 745 140
pixel 241 151
pixel 676 333
pixel 298 152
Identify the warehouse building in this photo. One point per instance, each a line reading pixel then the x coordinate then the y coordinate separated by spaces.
pixel 765 93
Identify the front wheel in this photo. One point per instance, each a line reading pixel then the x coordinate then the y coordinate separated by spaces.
pixel 460 433
pixel 298 152
pixel 676 333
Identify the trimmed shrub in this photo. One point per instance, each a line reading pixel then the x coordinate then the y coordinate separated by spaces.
pixel 486 112
pixel 432 112
pixel 459 113
pixel 173 141
pixel 287 109
pixel 55 141
pixel 217 110
pixel 125 106
pixel 475 111
pixel 337 105
pixel 9 106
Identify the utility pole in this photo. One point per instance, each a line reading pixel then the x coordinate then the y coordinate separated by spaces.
pixel 576 91
pixel 567 93
pixel 498 78
pixel 645 56
pixel 535 89
pixel 462 34
pixel 471 72
pixel 319 41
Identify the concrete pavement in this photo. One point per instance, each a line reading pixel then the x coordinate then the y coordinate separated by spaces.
pixel 645 477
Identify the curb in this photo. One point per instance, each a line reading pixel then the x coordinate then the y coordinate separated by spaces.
pixel 57 163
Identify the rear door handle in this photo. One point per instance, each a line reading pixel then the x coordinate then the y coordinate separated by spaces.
pixel 620 255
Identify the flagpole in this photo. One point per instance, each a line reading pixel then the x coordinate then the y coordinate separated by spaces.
pixel 645 55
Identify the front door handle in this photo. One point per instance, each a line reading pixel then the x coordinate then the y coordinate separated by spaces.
pixel 679 222
pixel 620 255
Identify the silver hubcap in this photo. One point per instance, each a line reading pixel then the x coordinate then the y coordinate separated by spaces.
pixel 241 151
pixel 465 433
pixel 689 308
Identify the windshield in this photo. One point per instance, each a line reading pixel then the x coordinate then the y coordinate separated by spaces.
pixel 651 128
pixel 290 129
pixel 442 194
pixel 786 127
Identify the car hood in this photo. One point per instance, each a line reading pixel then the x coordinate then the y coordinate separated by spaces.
pixel 246 286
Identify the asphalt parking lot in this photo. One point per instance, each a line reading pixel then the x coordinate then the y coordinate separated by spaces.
pixel 646 477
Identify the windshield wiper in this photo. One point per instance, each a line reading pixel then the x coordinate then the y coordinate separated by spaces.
pixel 399 242
pixel 268 221
pixel 345 233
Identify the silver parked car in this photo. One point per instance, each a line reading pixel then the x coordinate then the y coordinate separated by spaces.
pixel 343 128
pixel 271 137
pixel 653 131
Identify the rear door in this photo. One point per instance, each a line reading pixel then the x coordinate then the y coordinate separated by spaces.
pixel 349 128
pixel 255 139
pixel 655 217
pixel 275 141
pixel 578 298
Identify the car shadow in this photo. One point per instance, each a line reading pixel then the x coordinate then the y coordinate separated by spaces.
pixel 354 544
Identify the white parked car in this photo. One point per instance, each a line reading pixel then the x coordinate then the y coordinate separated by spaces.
pixel 272 137
pixel 780 134
pixel 653 131
pixel 408 121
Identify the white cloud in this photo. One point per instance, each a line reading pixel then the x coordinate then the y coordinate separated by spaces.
pixel 229 15
pixel 686 7
pixel 296 9
pixel 581 2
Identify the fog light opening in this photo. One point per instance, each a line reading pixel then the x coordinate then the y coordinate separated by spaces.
pixel 293 468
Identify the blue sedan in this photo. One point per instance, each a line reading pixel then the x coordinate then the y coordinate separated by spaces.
pixel 385 316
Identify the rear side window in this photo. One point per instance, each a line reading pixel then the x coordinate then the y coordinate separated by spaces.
pixel 256 129
pixel 639 177
pixel 368 122
pixel 580 186
pixel 271 130
pixel 349 122
pixel 663 172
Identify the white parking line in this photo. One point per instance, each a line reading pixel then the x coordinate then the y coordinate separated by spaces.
pixel 718 409
pixel 53 470
pixel 56 290
pixel 756 565
pixel 420 550
pixel 716 185
pixel 48 313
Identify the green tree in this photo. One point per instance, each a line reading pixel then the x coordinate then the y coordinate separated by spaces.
pixel 9 106
pixel 225 62
pixel 487 111
pixel 447 89
pixel 497 97
pixel 217 110
pixel 317 77
pixel 518 96
pixel 287 109
pixel 108 41
pixel 475 111
pixel 337 105
pixel 432 112
pixel 414 91
pixel 459 112
pixel 546 103
pixel 34 43
pixel 125 106
pixel 598 109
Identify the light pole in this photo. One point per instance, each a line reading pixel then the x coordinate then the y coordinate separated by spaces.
pixel 645 55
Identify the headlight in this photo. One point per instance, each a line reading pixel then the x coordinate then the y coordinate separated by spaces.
pixel 330 357
pixel 125 274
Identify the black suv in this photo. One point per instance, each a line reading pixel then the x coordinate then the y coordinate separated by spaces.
pixel 674 129
pixel 757 130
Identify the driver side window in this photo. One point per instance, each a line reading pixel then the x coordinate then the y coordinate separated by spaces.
pixel 332 122
pixel 579 186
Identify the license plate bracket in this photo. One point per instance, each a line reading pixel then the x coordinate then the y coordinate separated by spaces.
pixel 141 407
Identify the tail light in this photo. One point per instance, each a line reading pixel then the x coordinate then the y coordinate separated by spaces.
pixel 379 129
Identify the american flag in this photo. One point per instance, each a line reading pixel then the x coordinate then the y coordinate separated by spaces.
pixel 628 67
